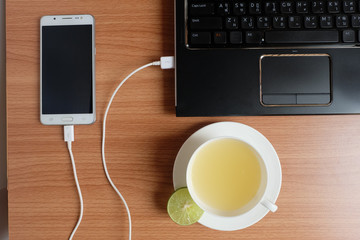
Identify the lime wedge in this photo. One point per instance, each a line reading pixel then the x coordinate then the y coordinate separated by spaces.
pixel 182 209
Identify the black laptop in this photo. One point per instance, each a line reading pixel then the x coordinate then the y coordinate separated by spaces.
pixel 267 57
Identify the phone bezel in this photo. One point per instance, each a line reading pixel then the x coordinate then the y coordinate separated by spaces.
pixel 68 119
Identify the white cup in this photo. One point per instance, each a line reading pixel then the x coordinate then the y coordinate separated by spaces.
pixel 259 198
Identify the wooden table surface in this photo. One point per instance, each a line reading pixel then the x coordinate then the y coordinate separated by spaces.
pixel 320 193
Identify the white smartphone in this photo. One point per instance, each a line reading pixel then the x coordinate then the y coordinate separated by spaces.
pixel 67 70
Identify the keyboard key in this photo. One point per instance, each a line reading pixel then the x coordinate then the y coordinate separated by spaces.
pixel 318 7
pixel 239 8
pixel 279 22
pixel 286 6
pixel 341 21
pixel 333 6
pixel 349 6
pixel 263 22
pixel 254 37
pixel 232 22
pixel 295 22
pixel 323 36
pixel 235 37
pixel 310 22
pixel 202 9
pixel 223 9
pixel 254 8
pixel 326 22
pixel 348 36
pixel 200 38
pixel 271 7
pixel 302 7
pixel 247 22
pixel 355 20
pixel 206 23
pixel 220 37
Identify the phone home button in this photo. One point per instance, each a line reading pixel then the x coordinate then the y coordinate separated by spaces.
pixel 67 119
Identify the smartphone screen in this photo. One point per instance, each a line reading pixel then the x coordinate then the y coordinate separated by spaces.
pixel 67 79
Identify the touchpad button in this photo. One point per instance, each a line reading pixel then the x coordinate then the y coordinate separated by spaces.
pixel 295 79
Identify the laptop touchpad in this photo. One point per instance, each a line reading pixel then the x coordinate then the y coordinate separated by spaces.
pixel 295 79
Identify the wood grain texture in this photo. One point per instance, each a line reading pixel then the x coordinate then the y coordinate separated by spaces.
pixel 319 154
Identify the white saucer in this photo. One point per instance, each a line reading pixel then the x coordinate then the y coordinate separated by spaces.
pixel 257 141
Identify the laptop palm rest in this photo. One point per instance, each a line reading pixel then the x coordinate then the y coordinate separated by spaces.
pixel 295 80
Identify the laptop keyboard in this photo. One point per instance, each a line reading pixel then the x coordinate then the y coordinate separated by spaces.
pixel 218 24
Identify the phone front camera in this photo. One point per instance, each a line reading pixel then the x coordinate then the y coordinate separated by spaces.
pixel 54 18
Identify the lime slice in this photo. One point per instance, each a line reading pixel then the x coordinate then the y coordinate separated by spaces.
pixel 182 209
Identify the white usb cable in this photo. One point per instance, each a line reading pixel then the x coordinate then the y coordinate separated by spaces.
pixel 164 63
pixel 69 138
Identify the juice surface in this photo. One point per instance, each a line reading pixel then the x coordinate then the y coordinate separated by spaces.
pixel 226 174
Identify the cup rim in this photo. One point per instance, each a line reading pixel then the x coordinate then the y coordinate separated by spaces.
pixel 190 164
